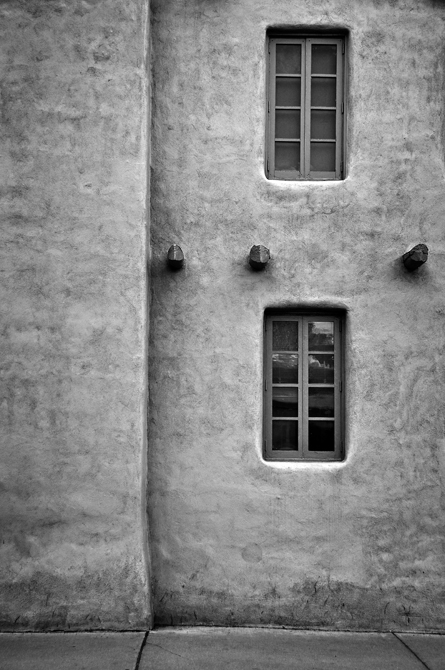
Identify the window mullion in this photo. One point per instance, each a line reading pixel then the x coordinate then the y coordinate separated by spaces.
pixel 307 108
pixel 304 388
pixel 302 110
pixel 337 386
pixel 338 113
pixel 300 387
pixel 268 391
pixel 271 107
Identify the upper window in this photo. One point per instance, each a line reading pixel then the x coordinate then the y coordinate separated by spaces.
pixel 305 110
pixel 303 387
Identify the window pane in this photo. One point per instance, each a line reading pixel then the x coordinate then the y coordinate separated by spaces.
pixel 285 402
pixel 287 156
pixel 285 336
pixel 287 124
pixel 321 436
pixel 285 435
pixel 285 368
pixel 324 58
pixel 323 124
pixel 321 368
pixel 288 58
pixel 323 92
pixel 288 92
pixel 321 335
pixel 322 157
pixel 321 402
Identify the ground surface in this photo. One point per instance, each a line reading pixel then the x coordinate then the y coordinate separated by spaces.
pixel 218 648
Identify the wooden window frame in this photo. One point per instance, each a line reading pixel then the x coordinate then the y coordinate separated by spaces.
pixel 305 173
pixel 303 453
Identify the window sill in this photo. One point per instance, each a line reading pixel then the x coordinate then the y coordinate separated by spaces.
pixel 299 183
pixel 304 465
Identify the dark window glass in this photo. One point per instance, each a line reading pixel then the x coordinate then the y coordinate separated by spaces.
pixel 321 436
pixel 288 58
pixel 287 156
pixel 285 402
pixel 287 124
pixel 322 125
pixel 324 59
pixel 288 92
pixel 323 92
pixel 322 157
pixel 285 336
pixel 285 436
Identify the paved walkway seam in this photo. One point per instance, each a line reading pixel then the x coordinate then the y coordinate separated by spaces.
pixel 412 652
pixel 143 643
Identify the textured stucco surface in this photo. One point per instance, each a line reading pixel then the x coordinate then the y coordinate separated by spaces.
pixel 73 551
pixel 357 545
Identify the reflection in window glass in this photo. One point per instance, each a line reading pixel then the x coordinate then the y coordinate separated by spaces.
pixel 321 369
pixel 285 368
pixel 321 336
pixel 285 402
pixel 321 401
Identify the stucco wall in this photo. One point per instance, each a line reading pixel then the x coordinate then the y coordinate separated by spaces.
pixel 355 545
pixel 73 551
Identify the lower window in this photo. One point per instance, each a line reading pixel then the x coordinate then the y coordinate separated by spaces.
pixel 303 386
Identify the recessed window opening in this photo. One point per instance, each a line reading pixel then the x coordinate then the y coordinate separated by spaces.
pixel 305 107
pixel 303 386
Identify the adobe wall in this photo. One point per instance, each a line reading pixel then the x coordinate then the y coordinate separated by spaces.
pixel 73 551
pixel 355 545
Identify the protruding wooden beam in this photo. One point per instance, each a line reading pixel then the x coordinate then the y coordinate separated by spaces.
pixel 415 257
pixel 259 257
pixel 175 257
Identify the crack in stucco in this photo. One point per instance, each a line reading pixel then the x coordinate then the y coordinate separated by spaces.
pixel 411 651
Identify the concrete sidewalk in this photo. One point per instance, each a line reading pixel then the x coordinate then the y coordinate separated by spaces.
pixel 218 648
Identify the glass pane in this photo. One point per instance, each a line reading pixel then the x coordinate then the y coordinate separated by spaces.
pixel 288 58
pixel 285 402
pixel 323 92
pixel 285 435
pixel 321 335
pixel 322 157
pixel 287 124
pixel 321 402
pixel 323 124
pixel 287 156
pixel 285 335
pixel 285 368
pixel 324 58
pixel 288 92
pixel 321 436
pixel 321 368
